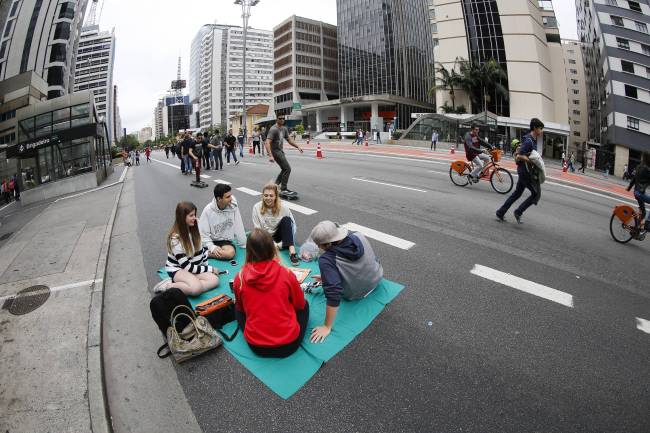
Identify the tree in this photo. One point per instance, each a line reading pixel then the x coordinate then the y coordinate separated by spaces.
pixel 481 81
pixel 449 81
pixel 129 142
pixel 300 129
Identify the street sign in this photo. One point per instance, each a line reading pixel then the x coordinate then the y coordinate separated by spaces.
pixel 297 106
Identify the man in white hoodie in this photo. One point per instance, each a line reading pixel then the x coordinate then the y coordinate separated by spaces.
pixel 221 224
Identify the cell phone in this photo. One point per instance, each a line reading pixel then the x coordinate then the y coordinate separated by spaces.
pixel 224 272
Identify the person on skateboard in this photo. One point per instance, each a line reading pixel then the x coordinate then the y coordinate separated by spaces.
pixel 273 145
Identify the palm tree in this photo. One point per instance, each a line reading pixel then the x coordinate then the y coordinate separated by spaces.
pixel 481 81
pixel 449 80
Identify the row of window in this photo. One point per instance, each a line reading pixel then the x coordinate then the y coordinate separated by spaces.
pixel 308 48
pixel 8 139
pixel 90 70
pixel 619 21
pixel 633 123
pixel 308 37
pixel 307 26
pixel 281 40
pixel 308 84
pixel 7 115
pixel 624 44
pixel 282 29
pixel 310 72
pixel 632 5
pixel 629 67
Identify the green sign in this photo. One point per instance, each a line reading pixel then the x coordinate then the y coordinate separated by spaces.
pixel 297 106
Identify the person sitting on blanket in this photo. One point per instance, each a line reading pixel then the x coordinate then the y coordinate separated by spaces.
pixel 271 215
pixel 187 260
pixel 270 305
pixel 221 223
pixel 349 270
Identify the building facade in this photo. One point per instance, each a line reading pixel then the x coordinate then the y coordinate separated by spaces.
pixel 577 92
pixel 94 71
pixel 216 72
pixel 305 66
pixel 42 37
pixel 616 50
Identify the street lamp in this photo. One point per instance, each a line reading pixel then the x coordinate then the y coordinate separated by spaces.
pixel 245 15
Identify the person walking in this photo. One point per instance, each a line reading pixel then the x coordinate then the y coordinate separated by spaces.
pixel 274 149
pixel 15 187
pixel 185 153
pixel 583 160
pixel 434 140
pixel 241 137
pixel 378 137
pixel 229 143
pixel 256 142
pixel 572 160
pixel 167 151
pixel 263 138
pixel 3 190
pixel 526 173
pixel 137 157
pixel 205 145
pixel 217 150
pixel 147 152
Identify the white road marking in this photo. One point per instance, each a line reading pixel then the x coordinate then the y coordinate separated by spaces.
pixel 6 206
pixel 298 208
pixel 523 285
pixel 225 182
pixel 248 163
pixel 166 163
pixel 249 191
pixel 388 184
pixel 621 197
pixel 380 236
pixel 205 176
pixel 643 325
pixel 62 288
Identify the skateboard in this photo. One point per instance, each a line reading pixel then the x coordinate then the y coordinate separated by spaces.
pixel 289 197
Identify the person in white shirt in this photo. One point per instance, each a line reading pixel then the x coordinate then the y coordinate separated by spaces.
pixel 271 215
pixel 221 224
pixel 434 140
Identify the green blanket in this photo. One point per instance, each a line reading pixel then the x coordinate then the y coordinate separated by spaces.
pixel 286 376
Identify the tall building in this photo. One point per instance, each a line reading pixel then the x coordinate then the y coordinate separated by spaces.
pixel 94 70
pixel 305 67
pixel 158 131
pixel 616 50
pixel 522 36
pixel 42 37
pixel 117 120
pixel 216 72
pixel 577 95
pixel 385 66
pixel 145 134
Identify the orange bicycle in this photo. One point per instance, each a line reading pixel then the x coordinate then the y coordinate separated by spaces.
pixel 500 178
pixel 625 224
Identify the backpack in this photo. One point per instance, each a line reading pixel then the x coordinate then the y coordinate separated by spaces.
pixel 163 304
pixel 11 185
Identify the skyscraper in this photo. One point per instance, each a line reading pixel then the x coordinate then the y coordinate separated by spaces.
pixel 216 72
pixel 94 70
pixel 616 51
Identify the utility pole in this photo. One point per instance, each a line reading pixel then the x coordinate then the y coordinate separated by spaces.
pixel 245 14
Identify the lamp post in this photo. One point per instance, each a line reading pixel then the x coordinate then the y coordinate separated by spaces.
pixel 245 15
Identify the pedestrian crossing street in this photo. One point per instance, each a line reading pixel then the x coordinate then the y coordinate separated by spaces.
pixel 530 287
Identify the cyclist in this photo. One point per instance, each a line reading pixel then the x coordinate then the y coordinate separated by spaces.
pixel 640 182
pixel 474 153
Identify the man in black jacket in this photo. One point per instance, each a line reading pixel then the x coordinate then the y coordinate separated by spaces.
pixel 229 142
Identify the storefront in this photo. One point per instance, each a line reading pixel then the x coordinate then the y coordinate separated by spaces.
pixel 61 141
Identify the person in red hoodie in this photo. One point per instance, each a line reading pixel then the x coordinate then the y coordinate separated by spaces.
pixel 270 305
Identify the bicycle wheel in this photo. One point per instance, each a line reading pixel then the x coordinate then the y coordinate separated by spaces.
pixel 501 180
pixel 621 232
pixel 458 179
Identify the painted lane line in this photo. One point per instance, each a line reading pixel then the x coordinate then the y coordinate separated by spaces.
pixel 225 182
pixel 62 288
pixel 621 199
pixel 205 176
pixel 643 325
pixel 292 206
pixel 166 163
pixel 380 236
pixel 6 206
pixel 249 191
pixel 527 286
pixel 388 184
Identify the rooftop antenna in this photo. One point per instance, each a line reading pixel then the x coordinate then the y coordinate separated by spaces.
pixel 93 17
pixel 178 85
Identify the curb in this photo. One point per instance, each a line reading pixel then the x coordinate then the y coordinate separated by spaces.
pixel 100 420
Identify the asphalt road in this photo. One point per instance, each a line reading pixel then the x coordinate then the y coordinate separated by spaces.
pixel 455 352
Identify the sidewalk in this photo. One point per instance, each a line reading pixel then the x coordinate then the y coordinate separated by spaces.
pixel 51 369
pixel 591 180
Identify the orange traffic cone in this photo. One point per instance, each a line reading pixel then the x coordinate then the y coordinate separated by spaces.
pixel 365 143
pixel 319 152
pixel 250 148
pixel 452 149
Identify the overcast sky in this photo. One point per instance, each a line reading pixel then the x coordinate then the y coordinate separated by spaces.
pixel 151 34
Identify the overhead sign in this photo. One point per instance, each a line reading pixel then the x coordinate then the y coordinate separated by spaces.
pixel 26 147
pixel 297 106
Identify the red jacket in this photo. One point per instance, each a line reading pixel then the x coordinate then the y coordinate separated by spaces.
pixel 269 297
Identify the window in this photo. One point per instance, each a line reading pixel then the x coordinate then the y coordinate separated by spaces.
pixel 8 28
pixel 14 8
pixel 67 10
pixel 434 27
pixel 572 62
pixel 576 122
pixel 632 123
pixel 612 2
pixel 627 66
pixel 642 27
pixel 576 112
pixel 3 49
pixel 617 21
pixel 646 49
pixel 576 102
pixel 55 76
pixel 631 92
pixel 623 43
pixel 574 81
pixel 635 6
pixel 647 71
pixel 573 71
pixel 62 31
pixel 57 53
pixel 576 133
pixel 576 91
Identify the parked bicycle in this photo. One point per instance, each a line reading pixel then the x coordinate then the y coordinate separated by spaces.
pixel 625 224
pixel 499 177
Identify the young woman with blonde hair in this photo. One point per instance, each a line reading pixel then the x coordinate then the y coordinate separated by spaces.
pixel 187 260
pixel 277 220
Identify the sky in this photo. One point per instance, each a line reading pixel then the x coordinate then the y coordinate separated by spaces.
pixel 152 34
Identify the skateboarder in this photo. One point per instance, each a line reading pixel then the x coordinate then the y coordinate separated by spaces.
pixel 274 149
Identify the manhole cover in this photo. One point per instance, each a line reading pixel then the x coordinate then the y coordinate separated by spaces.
pixel 6 236
pixel 29 299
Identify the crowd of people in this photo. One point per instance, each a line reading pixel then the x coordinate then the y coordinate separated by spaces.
pixel 10 190
pixel 271 309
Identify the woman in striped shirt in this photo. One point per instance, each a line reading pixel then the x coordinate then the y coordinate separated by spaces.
pixel 187 260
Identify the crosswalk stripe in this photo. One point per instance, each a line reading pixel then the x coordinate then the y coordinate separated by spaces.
pixel 222 181
pixel 205 176
pixel 643 325
pixel 292 206
pixel 380 236
pixel 249 191
pixel 527 286
pixel 388 184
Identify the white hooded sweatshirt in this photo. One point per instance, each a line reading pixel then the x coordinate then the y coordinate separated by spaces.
pixel 221 225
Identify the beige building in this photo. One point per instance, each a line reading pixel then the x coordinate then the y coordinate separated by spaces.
pixel 577 95
pixel 521 35
pixel 253 115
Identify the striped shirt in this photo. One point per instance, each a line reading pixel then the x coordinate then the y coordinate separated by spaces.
pixel 178 259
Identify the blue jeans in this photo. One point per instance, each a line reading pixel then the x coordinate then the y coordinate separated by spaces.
pixel 230 152
pixel 188 163
pixel 642 198
pixel 523 183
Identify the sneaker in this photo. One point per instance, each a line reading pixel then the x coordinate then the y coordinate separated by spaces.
pixel 500 217
pixel 228 163
pixel 289 192
pixel 295 261
pixel 236 162
pixel 162 286
pixel 518 218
